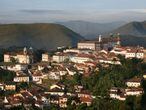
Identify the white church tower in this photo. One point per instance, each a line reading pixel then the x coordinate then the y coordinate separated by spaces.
pixel 99 38
pixel 25 50
pixel 118 41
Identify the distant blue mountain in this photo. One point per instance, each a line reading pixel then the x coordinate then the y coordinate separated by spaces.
pixel 90 29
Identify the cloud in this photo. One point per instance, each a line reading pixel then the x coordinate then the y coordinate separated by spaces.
pixel 42 11
pixel 139 10
pixel 43 15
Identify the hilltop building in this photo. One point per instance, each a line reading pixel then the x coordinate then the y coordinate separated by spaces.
pixel 46 57
pixel 102 43
pixel 93 45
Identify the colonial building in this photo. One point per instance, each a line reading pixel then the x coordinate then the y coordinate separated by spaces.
pixel 114 61
pixel 37 77
pixel 54 99
pixel 111 42
pixel 101 43
pixel 14 67
pixel 135 53
pixel 134 91
pixel 60 57
pixel 129 52
pixel 25 57
pixel 144 76
pixel 10 86
pixel 86 100
pixel 72 50
pixel 1 86
pixel 81 58
pixel 55 75
pixel 93 45
pixel 63 101
pixel 46 57
pixel 85 97
pixel 118 50
pixel 21 78
pixel 134 82
pixel 117 93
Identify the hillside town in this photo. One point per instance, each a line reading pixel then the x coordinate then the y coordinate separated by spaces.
pixel 41 84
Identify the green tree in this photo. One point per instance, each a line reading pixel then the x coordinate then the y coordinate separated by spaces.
pixel 82 107
pixel 13 60
pixel 6 75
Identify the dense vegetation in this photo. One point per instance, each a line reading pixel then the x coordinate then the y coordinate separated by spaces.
pixel 6 75
pixel 112 76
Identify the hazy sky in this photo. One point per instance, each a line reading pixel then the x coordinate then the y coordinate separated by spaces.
pixel 64 10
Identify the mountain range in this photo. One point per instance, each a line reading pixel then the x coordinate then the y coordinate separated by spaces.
pixel 49 36
pixel 39 36
pixel 89 29
pixel 133 33
pixel 133 28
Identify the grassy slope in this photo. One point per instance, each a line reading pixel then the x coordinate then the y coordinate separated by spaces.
pixel 47 36
pixel 133 33
pixel 133 28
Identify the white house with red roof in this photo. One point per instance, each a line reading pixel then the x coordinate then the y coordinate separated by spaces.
pixel 135 53
pixel 81 58
pixel 144 75
pixel 21 77
pixel 59 57
pixel 46 57
pixel 134 82
pixel 134 91
pixel 117 93
pixel 37 77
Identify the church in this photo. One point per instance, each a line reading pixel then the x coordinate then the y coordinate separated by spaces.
pixel 105 43
pixel 23 57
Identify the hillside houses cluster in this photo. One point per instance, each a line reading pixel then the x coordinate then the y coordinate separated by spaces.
pixel 105 52
pixel 129 52
pixel 133 89
pixel 81 60
pixel 55 95
pixel 102 56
